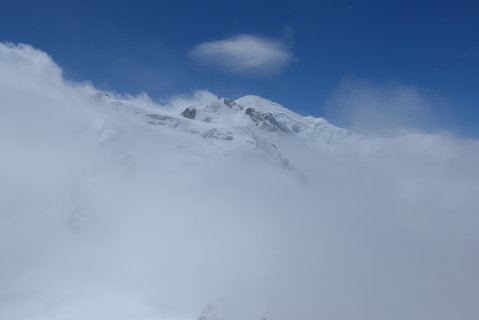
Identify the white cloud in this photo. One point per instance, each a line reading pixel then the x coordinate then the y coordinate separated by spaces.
pixel 249 54
pixel 105 218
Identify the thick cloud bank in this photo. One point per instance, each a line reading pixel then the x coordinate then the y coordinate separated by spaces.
pixel 106 218
pixel 249 54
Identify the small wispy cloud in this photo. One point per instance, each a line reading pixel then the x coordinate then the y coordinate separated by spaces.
pixel 246 54
pixel 368 107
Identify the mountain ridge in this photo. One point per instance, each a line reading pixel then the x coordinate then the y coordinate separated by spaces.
pixel 250 122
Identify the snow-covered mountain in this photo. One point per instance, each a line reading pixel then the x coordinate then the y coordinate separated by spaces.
pixel 250 123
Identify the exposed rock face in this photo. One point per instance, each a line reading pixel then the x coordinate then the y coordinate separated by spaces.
pixel 189 113
pixel 232 104
pixel 265 120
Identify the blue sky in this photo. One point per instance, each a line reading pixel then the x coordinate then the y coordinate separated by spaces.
pixel 431 47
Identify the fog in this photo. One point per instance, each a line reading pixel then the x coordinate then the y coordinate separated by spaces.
pixel 387 109
pixel 104 218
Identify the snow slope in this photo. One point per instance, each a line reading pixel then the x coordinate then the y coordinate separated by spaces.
pixel 249 124
pixel 316 130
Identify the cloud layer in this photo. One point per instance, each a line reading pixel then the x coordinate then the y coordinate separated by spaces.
pixel 384 108
pixel 246 54
pixel 106 218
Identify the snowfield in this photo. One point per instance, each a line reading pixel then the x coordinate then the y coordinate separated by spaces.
pixel 249 125
pixel 121 207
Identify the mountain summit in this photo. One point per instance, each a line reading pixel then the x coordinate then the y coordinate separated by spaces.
pixel 248 123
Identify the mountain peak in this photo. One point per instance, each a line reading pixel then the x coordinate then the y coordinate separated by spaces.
pixel 264 105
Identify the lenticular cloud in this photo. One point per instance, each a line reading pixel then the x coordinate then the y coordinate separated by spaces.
pixel 249 54
pixel 104 215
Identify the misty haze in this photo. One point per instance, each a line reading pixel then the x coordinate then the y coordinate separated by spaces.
pixel 248 200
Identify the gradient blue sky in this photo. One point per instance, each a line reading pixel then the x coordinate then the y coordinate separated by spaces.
pixel 134 46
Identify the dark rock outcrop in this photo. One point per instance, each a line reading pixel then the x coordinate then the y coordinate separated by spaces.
pixel 265 120
pixel 232 104
pixel 189 113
